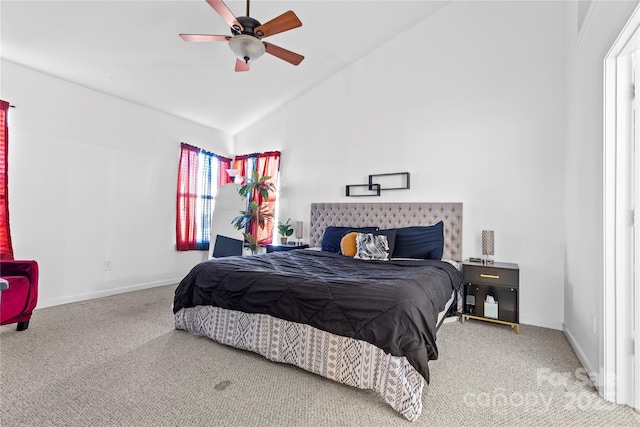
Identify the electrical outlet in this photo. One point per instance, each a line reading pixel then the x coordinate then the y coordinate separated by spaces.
pixel 107 265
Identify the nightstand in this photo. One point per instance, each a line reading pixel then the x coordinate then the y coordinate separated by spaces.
pixel 279 248
pixel 499 280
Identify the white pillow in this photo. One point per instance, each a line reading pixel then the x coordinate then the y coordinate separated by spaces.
pixel 372 247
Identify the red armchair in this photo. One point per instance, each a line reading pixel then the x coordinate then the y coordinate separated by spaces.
pixel 17 302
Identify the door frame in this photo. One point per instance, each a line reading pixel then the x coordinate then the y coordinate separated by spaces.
pixel 619 377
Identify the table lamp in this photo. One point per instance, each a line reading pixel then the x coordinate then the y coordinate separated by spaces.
pixel 487 246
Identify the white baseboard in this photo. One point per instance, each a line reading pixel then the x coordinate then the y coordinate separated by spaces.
pixel 582 357
pixel 106 292
pixel 525 320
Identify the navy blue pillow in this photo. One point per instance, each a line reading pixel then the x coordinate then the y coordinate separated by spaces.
pixel 424 242
pixel 333 235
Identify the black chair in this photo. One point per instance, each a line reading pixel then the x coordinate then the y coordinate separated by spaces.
pixel 226 246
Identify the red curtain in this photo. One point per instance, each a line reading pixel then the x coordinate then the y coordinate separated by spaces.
pixel 186 223
pixel 192 232
pixel 242 164
pixel 6 248
pixel 268 164
pixel 265 164
pixel 223 177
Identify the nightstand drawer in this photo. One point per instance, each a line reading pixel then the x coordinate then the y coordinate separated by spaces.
pixel 491 275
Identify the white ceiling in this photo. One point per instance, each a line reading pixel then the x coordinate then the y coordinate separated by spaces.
pixel 131 49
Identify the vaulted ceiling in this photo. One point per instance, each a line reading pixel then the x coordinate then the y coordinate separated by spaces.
pixel 131 49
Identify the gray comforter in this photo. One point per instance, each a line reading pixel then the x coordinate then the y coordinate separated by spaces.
pixel 391 304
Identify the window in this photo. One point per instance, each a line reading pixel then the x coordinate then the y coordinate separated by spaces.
pixel 199 175
pixel 266 164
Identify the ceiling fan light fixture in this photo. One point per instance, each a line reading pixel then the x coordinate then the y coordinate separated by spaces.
pixel 246 47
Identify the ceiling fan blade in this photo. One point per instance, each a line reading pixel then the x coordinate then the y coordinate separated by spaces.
pixel 284 54
pixel 285 22
pixel 241 65
pixel 203 38
pixel 225 13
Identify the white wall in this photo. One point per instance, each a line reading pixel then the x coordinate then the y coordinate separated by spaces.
pixel 470 102
pixel 92 177
pixel 585 53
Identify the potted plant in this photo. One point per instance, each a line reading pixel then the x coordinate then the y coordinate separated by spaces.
pixel 257 214
pixel 285 229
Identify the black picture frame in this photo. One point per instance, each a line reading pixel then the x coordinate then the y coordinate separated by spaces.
pixel 406 175
pixel 370 187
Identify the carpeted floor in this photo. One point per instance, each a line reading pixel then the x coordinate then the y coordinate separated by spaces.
pixel 118 361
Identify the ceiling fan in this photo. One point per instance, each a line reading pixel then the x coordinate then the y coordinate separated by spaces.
pixel 247 33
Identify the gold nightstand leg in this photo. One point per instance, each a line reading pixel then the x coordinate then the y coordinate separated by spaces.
pixel 515 326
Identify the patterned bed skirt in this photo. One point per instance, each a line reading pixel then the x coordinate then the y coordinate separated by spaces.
pixel 345 360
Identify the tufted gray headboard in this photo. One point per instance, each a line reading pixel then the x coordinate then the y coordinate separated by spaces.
pixel 390 215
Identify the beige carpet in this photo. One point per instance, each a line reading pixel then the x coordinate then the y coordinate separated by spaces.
pixel 118 361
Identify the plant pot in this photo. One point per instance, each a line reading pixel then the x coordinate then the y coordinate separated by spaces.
pixel 283 240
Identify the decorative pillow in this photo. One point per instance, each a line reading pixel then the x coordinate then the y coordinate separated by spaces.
pixel 348 246
pixel 372 246
pixel 424 242
pixel 333 235
pixel 391 238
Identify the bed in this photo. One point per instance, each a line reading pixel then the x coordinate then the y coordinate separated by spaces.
pixel 368 323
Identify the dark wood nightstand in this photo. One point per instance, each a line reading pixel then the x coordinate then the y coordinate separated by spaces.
pixel 499 280
pixel 277 248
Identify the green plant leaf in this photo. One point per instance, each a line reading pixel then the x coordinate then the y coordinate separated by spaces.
pixel 255 213
pixel 285 229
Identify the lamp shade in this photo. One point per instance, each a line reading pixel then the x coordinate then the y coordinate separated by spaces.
pixel 298 229
pixel 246 47
pixel 487 242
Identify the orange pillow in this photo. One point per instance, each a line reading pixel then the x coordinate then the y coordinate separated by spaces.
pixel 348 245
